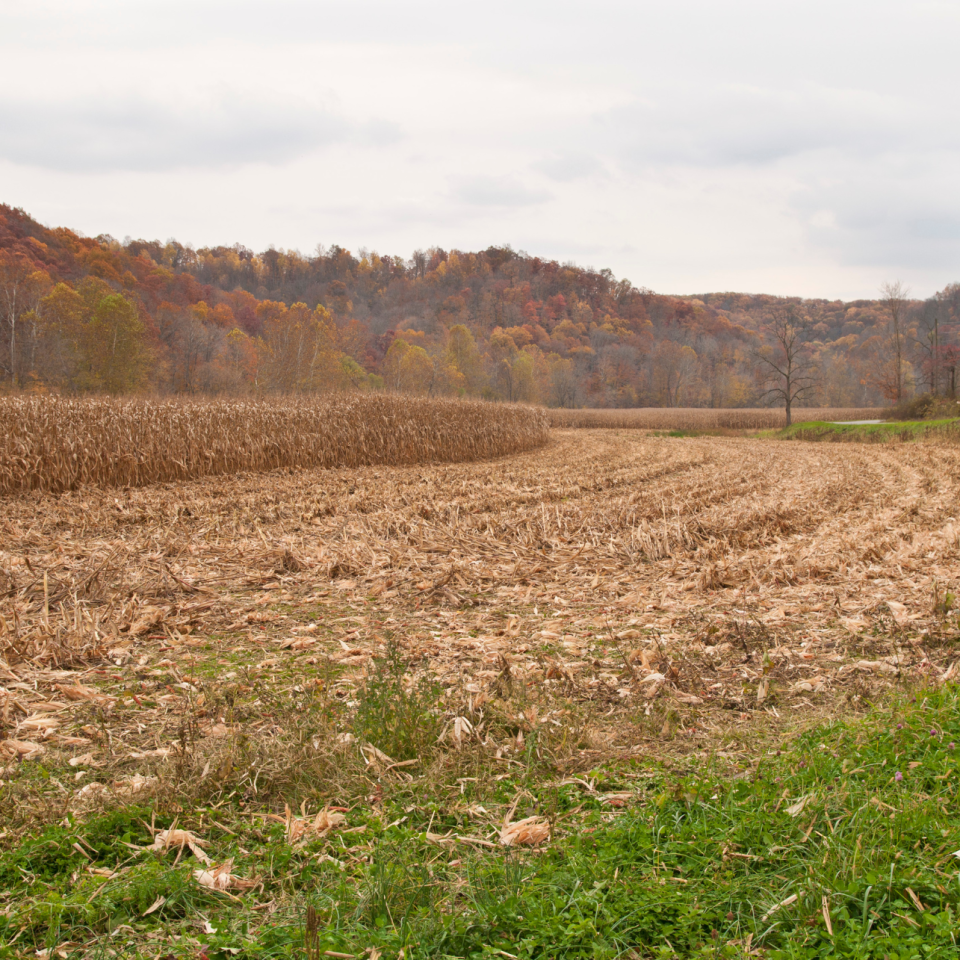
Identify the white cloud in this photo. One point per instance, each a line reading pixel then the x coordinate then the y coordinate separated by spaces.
pixel 799 147
pixel 565 167
pixel 135 134
pixel 506 191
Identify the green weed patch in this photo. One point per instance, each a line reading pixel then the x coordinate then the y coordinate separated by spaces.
pixel 840 845
pixel 872 432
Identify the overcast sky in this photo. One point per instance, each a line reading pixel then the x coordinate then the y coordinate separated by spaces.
pixel 785 147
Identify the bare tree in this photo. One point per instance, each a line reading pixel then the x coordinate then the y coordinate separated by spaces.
pixel 894 297
pixel 788 372
pixel 419 261
pixel 927 341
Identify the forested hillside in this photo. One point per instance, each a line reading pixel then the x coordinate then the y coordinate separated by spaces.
pixel 94 314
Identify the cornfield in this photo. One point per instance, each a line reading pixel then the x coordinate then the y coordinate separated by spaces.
pixel 699 418
pixel 56 444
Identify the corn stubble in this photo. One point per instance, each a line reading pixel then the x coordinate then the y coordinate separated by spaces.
pixel 56 444
pixel 610 594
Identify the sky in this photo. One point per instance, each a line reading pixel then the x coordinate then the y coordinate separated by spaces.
pixel 794 148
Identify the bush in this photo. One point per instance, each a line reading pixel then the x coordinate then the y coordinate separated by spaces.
pixel 924 407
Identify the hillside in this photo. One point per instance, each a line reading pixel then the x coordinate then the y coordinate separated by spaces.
pixel 95 314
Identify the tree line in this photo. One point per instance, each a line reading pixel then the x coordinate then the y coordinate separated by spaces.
pixel 81 314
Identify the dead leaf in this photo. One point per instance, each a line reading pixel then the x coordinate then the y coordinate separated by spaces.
pixel 156 905
pixel 783 903
pixel 653 678
pixel 130 786
pixel 38 723
pixel 296 643
pixel 899 611
pixel 374 757
pixel 458 731
pixel 145 622
pixel 301 829
pixel 78 691
pixel 218 730
pixel 875 666
pixel 529 832
pixel 23 749
pixel 220 878
pixel 166 839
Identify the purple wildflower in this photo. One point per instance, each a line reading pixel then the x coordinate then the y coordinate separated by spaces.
pixel 951 744
pixel 898 776
pixel 899 726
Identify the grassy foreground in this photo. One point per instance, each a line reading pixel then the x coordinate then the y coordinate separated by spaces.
pixel 839 845
pixel 872 432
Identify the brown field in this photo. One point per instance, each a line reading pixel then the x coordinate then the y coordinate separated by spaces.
pixel 56 444
pixel 619 594
pixel 699 418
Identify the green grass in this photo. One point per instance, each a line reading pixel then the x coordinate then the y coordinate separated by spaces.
pixel 694 868
pixel 706 432
pixel 869 432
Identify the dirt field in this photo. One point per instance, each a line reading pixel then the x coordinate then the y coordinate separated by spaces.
pixel 622 594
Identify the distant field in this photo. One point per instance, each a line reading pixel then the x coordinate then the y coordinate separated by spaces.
pixel 698 418
pixel 56 444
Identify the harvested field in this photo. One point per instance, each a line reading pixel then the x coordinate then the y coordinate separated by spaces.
pixel 699 418
pixel 56 444
pixel 273 711
pixel 625 574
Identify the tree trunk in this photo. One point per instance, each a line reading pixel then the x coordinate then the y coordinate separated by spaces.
pixel 13 349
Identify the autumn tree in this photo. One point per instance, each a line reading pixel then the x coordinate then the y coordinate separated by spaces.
pixel 298 350
pixel 62 316
pixel 417 371
pixel 115 356
pixel 240 360
pixel 408 368
pixel 513 368
pixel 463 354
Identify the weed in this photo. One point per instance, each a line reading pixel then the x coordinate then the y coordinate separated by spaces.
pixel 944 601
pixel 396 711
